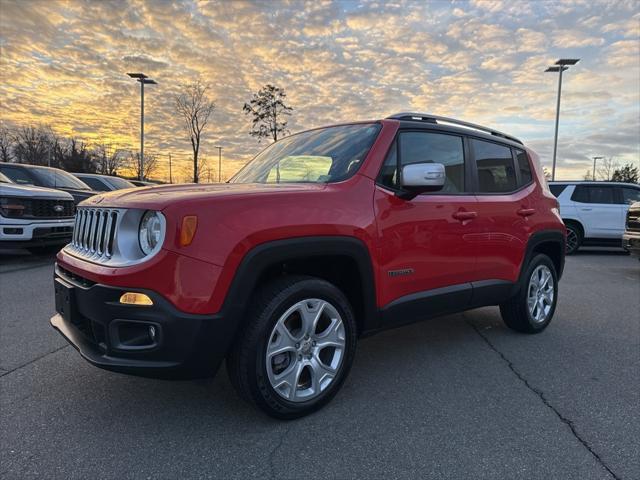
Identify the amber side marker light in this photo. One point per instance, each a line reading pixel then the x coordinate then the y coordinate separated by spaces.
pixel 133 298
pixel 188 229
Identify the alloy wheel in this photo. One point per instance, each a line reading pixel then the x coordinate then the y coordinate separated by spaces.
pixel 572 240
pixel 540 294
pixel 305 350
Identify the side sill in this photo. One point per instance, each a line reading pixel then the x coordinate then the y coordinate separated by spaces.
pixel 443 301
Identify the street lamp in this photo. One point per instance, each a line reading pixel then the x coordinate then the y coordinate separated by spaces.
pixel 143 79
pixel 561 66
pixel 594 166
pixel 219 164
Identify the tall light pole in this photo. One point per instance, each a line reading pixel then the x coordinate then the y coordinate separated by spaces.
pixel 143 79
pixel 561 66
pixel 219 164
pixel 594 166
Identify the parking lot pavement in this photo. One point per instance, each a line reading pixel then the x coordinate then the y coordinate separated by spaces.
pixel 455 397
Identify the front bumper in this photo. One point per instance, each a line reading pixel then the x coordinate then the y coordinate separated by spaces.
pixel 19 234
pixel 102 329
pixel 631 242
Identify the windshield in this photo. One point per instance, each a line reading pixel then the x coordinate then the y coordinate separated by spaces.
pixel 4 178
pixel 54 178
pixel 120 182
pixel 325 155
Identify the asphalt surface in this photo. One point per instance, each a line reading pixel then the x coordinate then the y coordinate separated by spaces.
pixel 455 397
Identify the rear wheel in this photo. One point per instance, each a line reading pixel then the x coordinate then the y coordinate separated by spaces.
pixel 297 348
pixel 532 308
pixel 574 238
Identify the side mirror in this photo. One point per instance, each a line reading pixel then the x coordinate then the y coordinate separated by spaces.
pixel 420 178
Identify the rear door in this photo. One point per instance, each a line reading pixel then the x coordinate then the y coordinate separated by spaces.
pixel 504 184
pixel 601 215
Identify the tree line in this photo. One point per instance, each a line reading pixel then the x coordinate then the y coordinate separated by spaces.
pixel 610 170
pixel 40 145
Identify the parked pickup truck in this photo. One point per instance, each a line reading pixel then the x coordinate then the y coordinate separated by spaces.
pixel 326 236
pixel 36 218
pixel 631 236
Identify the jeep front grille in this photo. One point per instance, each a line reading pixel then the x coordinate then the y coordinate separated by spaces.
pixel 94 233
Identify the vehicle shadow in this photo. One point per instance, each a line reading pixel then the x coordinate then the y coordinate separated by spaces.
pixel 212 404
pixel 17 259
pixel 600 251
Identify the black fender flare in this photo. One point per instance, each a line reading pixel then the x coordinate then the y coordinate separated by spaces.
pixel 535 240
pixel 264 255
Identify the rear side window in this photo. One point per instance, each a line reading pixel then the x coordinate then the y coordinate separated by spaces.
pixel 426 147
pixel 525 168
pixel 495 167
pixel 630 195
pixel 593 194
pixel 557 189
pixel 95 184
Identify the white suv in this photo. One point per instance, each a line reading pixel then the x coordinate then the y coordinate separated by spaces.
pixel 594 212
pixel 38 219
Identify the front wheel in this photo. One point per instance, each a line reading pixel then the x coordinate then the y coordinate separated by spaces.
pixel 296 349
pixel 532 308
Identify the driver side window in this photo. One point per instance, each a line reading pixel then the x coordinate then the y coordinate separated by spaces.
pixel 426 147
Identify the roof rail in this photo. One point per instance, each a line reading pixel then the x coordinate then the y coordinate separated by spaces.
pixel 427 117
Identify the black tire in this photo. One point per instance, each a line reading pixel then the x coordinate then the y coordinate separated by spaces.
pixel 246 363
pixel 515 312
pixel 574 237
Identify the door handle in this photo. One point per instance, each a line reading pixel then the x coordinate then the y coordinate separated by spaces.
pixel 585 209
pixel 526 212
pixel 462 216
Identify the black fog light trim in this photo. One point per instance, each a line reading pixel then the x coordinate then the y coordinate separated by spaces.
pixel 134 334
pixel 12 231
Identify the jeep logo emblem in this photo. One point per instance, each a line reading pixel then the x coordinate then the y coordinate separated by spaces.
pixel 58 208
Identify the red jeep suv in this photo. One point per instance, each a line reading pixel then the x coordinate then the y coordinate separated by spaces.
pixel 326 236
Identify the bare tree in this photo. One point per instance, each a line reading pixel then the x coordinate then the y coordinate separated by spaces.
pixel 6 145
pixel 109 159
pixel 151 165
pixel 268 109
pixel 606 167
pixel 33 145
pixel 195 107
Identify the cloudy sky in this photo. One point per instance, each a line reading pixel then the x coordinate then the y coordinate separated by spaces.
pixel 64 64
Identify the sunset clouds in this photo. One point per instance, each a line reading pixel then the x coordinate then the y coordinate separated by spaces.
pixel 65 64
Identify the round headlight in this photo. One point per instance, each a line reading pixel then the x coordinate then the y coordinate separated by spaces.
pixel 150 233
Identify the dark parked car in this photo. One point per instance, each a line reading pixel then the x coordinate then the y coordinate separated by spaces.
pixel 104 183
pixel 142 183
pixel 47 177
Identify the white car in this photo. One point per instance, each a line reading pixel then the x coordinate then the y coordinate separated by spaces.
pixel 594 212
pixel 36 218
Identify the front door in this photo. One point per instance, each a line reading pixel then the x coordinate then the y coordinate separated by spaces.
pixel 425 243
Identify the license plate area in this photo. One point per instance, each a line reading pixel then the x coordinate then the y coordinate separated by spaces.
pixel 65 300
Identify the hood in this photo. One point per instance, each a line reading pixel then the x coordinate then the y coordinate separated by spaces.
pixel 159 197
pixel 30 191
